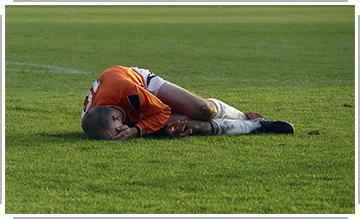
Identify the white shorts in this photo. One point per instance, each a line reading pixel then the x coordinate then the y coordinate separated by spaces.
pixel 153 82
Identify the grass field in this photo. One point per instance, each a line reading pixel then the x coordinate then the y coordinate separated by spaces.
pixel 293 63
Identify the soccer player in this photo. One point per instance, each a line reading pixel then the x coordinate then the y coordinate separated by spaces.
pixel 127 102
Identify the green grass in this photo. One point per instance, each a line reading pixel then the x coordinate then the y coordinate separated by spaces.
pixel 285 62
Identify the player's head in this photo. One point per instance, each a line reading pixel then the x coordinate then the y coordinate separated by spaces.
pixel 100 122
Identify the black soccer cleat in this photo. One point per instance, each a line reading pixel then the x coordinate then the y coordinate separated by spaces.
pixel 277 127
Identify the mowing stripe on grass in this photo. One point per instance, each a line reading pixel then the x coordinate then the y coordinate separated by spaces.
pixel 72 71
pixel 262 80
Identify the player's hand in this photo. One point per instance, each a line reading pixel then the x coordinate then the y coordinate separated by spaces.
pixel 125 132
pixel 177 129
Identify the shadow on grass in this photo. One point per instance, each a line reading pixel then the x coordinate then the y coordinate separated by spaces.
pixel 73 137
pixel 43 138
pixel 64 137
pixel 67 136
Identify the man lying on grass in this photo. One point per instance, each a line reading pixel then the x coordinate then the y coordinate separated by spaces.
pixel 130 102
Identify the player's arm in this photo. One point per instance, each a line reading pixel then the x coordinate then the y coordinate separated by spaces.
pixel 155 113
pixel 176 126
pixel 126 132
pixel 142 103
pixel 173 129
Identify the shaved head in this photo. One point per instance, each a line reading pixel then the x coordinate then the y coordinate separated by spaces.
pixel 97 121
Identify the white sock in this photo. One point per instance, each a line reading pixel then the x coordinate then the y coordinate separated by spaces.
pixel 227 112
pixel 234 127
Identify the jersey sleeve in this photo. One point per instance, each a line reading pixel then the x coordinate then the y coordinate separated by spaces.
pixel 154 112
pixel 145 110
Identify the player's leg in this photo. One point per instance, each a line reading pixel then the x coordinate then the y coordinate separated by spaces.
pixel 226 111
pixel 186 103
pixel 198 127
pixel 180 100
pixel 259 125
pixel 234 127
pixel 218 126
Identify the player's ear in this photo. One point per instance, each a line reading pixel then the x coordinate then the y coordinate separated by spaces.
pixel 117 117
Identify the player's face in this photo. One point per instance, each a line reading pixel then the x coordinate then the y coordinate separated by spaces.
pixel 107 134
pixel 112 131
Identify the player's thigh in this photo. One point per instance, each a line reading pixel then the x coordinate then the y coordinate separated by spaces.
pixel 186 103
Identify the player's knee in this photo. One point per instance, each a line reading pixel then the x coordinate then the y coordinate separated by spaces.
pixel 207 111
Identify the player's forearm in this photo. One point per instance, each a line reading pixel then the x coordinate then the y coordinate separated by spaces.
pixel 125 132
pixel 133 132
pixel 153 122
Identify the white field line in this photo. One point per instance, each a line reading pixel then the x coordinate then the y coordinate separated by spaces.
pixel 53 68
pixel 72 71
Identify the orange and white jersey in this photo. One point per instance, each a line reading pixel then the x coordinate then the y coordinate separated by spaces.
pixel 127 89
